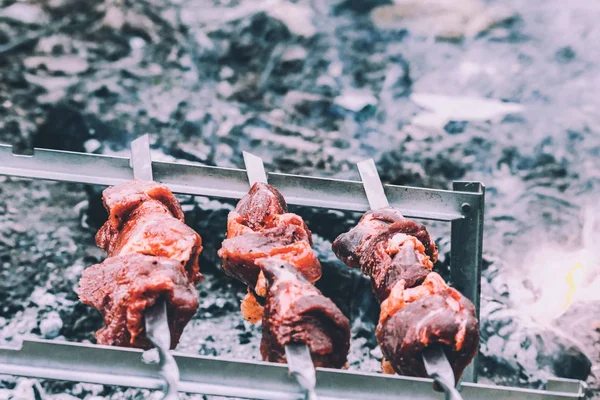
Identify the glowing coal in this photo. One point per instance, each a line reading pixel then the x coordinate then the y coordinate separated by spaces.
pixel 557 277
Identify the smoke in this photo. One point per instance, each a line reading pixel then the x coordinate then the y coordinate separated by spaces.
pixel 553 277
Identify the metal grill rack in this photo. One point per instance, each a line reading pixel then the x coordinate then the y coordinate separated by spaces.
pixel 463 207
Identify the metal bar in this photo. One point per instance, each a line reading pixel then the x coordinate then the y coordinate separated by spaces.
pixel 187 178
pixel 466 252
pixel 231 378
pixel 565 385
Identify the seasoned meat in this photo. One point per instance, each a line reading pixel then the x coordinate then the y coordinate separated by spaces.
pixel 270 250
pixel 348 246
pixel 260 227
pixel 159 234
pixel 152 255
pixel 394 256
pixel 418 308
pixel 123 287
pixel 146 218
pixel 262 203
pixel 352 245
pixel 240 254
pixel 414 318
pixel 387 247
pixel 297 312
pixel 122 199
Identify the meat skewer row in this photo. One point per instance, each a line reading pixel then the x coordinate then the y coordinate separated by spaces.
pixel 270 250
pixel 418 309
pixel 152 254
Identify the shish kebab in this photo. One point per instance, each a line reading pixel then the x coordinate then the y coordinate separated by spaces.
pixel 145 289
pixel 269 250
pixel 268 266
pixel 426 328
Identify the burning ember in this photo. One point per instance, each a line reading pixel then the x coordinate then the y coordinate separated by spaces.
pixel 558 278
pixel 574 279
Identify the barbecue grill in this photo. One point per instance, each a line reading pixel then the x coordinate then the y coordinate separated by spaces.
pixel 463 207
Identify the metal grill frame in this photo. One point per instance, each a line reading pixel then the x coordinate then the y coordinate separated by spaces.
pixel 463 207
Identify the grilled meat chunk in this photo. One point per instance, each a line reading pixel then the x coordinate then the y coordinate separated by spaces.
pixel 297 312
pixel 360 240
pixel 417 307
pixel 241 253
pixel 122 199
pixel 262 203
pixel 152 254
pixel 145 218
pixel 414 318
pixel 270 250
pixel 260 227
pixel 388 248
pixel 123 287
pixel 392 257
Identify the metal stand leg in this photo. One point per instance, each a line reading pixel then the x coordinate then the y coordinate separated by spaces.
pixel 466 252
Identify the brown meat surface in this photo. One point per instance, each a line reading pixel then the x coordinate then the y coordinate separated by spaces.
pixel 270 250
pixel 241 253
pixel 418 308
pixel 393 256
pixel 381 247
pixel 145 218
pixel 260 227
pixel 262 203
pixel 297 312
pixel 123 287
pixel 120 200
pixel 373 227
pixel 414 318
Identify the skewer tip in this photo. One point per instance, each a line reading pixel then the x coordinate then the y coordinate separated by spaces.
pixel 372 184
pixel 255 168
pixel 141 160
pixel 300 365
pixel 145 138
pixel 368 162
pixel 438 368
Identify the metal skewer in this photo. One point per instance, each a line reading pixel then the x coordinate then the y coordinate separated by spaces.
pixel 438 368
pixel 301 367
pixel 435 360
pixel 157 323
pixel 299 361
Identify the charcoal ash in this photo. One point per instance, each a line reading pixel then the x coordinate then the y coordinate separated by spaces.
pixel 276 96
pixel 66 128
pixel 23 13
pixel 360 7
pixel 518 351
pixel 518 344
